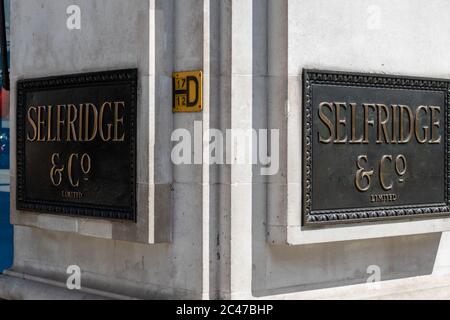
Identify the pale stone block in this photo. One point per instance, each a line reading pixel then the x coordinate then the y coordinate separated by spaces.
pixel 44 50
pixel 368 36
pixel 442 261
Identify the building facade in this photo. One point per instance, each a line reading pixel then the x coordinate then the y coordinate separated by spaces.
pixel 240 229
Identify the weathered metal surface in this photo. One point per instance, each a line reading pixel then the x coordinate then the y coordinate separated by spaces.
pixel 76 145
pixel 375 147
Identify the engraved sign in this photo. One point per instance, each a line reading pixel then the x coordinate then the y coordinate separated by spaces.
pixel 76 145
pixel 376 147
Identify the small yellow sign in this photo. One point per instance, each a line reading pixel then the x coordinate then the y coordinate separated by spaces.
pixel 188 91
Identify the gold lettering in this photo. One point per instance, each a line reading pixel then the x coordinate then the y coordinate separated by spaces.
pixel 362 174
pixel 383 197
pixel 118 121
pixel 32 124
pixel 435 124
pixel 80 124
pixel 394 121
pixel 367 122
pixel 59 121
pixel 401 167
pixel 326 121
pixel 50 124
pixel 382 123
pixel 85 122
pixel 70 171
pixel 72 195
pixel 55 172
pixel 86 163
pixel 72 116
pixel 383 173
pixel 90 107
pixel 402 138
pixel 100 120
pixel 40 124
pixel 426 129
pixel 354 139
pixel 340 122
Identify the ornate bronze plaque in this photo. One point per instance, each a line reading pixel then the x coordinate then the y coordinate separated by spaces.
pixel 375 147
pixel 76 145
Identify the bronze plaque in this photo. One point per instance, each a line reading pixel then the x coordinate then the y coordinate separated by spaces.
pixel 376 147
pixel 76 145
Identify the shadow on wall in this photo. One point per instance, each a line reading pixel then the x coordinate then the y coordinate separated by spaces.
pixel 300 268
